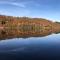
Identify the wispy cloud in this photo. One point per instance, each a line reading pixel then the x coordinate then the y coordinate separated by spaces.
pixel 24 11
pixel 14 3
pixel 18 4
pixel 8 0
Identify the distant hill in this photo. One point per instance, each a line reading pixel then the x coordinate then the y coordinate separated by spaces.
pixel 10 21
pixel 11 27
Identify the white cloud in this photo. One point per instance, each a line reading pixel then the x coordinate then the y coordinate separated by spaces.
pixel 14 3
pixel 5 13
pixel 17 12
pixel 8 0
pixel 18 4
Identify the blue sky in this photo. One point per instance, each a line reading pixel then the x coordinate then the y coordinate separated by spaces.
pixel 49 9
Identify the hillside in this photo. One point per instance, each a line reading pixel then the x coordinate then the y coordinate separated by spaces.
pixel 24 26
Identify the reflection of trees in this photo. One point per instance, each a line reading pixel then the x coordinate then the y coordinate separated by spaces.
pixel 24 26
pixel 57 32
pixel 48 27
pixel 27 28
pixel 33 27
pixel 3 22
pixel 3 32
pixel 20 32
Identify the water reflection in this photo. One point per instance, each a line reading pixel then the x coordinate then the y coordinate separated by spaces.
pixel 18 33
pixel 34 47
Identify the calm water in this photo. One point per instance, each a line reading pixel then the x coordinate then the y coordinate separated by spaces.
pixel 47 47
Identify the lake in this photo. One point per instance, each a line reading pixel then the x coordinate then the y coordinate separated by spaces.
pixel 44 48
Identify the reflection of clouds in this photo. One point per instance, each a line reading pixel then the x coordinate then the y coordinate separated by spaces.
pixel 14 49
pixel 19 49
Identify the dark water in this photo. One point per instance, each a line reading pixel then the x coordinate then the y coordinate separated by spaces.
pixel 33 48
